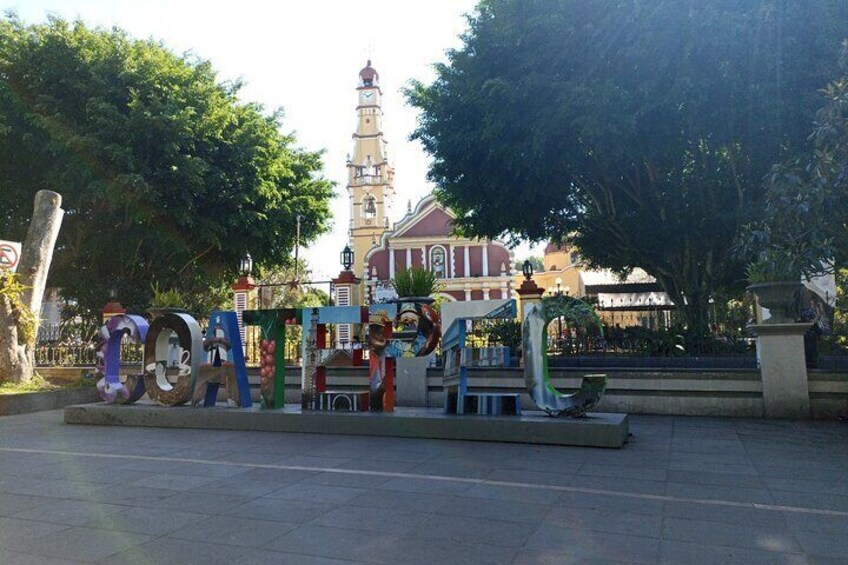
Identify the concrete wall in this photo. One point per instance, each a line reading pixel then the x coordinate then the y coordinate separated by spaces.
pixel 692 392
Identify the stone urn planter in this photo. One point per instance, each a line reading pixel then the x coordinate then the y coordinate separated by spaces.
pixel 781 299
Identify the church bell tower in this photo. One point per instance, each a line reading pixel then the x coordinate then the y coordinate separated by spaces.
pixel 370 184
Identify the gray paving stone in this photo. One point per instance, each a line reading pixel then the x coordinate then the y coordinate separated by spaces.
pixel 426 486
pixel 518 494
pixel 15 558
pixel 152 521
pixel 238 486
pixel 70 512
pixel 588 544
pixel 16 534
pixel 629 504
pixel 85 544
pixel 677 552
pixel 264 557
pixel 727 514
pixel 277 476
pixel 715 492
pixel 233 530
pixel 168 551
pixel 535 477
pixel 337 543
pixel 317 493
pixel 403 501
pixel 346 480
pixel 618 484
pixel 823 544
pixel 372 519
pixel 495 509
pixel 615 522
pixel 640 473
pixel 173 481
pixel 736 535
pixel 293 511
pixel 817 523
pixel 481 531
pixel 11 503
pixel 209 503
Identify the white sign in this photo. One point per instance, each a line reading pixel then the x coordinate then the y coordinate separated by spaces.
pixel 384 291
pixel 10 255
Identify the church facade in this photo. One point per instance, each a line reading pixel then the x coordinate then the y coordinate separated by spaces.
pixel 467 269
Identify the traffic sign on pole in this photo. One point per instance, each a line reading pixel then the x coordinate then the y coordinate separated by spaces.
pixel 10 255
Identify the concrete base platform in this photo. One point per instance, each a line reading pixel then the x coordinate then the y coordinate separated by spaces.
pixel 594 430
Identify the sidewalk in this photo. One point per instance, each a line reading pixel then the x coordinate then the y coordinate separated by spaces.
pixel 685 490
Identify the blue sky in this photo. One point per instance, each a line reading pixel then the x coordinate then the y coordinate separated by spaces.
pixel 304 57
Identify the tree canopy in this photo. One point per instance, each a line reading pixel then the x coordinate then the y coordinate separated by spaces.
pixel 643 130
pixel 168 178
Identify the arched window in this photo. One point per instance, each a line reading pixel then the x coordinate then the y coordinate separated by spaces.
pixel 369 207
pixel 438 261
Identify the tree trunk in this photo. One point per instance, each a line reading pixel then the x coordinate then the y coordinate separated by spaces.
pixel 17 351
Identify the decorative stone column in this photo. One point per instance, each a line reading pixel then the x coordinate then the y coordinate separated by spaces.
pixel 783 369
pixel 112 309
pixel 346 295
pixel 530 293
pixel 242 289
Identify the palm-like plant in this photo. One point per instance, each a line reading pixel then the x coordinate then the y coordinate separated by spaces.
pixel 415 281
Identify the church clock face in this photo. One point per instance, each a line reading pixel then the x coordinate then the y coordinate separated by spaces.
pixel 367 96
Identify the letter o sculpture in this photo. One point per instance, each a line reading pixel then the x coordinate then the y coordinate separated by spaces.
pixel 110 387
pixel 185 367
pixel 536 376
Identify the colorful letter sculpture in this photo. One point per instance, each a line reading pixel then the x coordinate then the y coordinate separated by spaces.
pixel 316 355
pixel 223 333
pixel 109 360
pixel 419 331
pixel 458 356
pixel 166 359
pixel 272 363
pixel 536 376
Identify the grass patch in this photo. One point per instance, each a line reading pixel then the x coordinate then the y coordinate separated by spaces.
pixel 40 384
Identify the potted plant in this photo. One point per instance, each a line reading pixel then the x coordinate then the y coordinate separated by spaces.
pixel 415 285
pixel 791 243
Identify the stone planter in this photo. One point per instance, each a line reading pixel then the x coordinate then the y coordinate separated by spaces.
pixel 781 299
pixel 26 402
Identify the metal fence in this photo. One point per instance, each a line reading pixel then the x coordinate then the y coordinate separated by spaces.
pixel 85 355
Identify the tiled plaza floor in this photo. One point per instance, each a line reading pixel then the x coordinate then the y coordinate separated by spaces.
pixel 685 490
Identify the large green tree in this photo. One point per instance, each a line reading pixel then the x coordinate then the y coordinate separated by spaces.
pixel 642 128
pixel 168 178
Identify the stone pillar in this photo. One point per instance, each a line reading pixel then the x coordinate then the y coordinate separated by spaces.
pixel 451 262
pixel 424 256
pixel 485 258
pixel 242 289
pixel 467 262
pixel 391 263
pixel 346 295
pixel 530 293
pixel 783 369
pixel 112 309
pixel 485 294
pixel 408 257
pixel 412 381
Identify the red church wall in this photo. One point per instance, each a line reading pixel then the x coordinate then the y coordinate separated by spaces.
pixel 476 260
pixel 476 295
pixel 458 294
pixel 379 259
pixel 498 255
pixel 437 222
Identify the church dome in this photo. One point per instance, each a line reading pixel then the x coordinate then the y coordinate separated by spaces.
pixel 368 75
pixel 554 248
